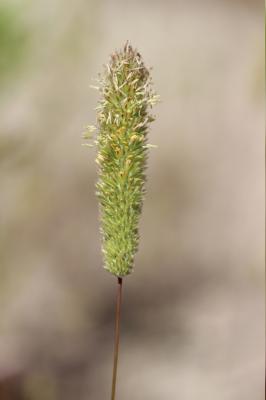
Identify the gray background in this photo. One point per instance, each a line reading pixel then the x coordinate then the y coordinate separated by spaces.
pixel 193 311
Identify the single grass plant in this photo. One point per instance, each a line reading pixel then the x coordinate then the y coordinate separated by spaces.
pixel 123 120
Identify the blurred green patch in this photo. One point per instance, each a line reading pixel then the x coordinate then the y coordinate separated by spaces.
pixel 14 38
pixel 40 386
pixel 7 147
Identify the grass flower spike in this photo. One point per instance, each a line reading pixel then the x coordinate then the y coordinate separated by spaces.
pixel 123 118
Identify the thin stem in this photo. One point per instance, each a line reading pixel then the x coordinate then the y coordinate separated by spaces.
pixel 117 334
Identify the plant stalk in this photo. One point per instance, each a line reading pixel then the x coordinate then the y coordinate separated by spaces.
pixel 117 334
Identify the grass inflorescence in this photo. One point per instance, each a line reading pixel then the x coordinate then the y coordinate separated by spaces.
pixel 123 118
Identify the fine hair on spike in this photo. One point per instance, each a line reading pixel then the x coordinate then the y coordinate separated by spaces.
pixel 123 119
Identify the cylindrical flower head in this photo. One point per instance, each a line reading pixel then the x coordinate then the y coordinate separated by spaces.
pixel 123 119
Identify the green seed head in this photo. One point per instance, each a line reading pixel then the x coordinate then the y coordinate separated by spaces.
pixel 123 118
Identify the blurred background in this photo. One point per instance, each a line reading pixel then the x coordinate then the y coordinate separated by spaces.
pixel 193 310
